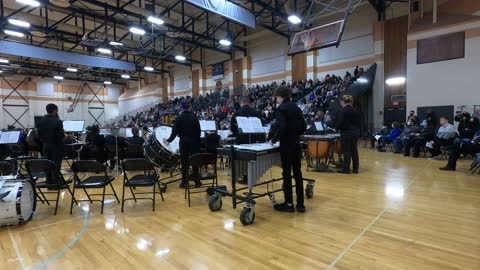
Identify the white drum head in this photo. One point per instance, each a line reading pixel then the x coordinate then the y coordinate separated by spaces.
pixel 163 132
pixel 27 201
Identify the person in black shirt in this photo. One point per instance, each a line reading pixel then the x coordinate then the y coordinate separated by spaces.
pixel 245 111
pixel 136 139
pixel 348 123
pixel 51 134
pixel 187 127
pixel 289 125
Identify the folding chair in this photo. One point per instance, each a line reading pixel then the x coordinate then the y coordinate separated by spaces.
pixel 54 180
pixel 100 180
pixel 149 178
pixel 202 160
pixel 134 151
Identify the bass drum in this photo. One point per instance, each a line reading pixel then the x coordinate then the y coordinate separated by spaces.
pixel 165 156
pixel 17 202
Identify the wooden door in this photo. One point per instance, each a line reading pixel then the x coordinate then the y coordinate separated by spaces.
pixel 237 76
pixel 299 67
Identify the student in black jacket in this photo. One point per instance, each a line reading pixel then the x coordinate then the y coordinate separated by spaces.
pixel 348 124
pixel 50 131
pixel 245 111
pixel 290 124
pixel 187 127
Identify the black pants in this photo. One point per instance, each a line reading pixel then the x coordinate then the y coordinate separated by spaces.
pixel 437 144
pixel 463 148
pixel 53 152
pixel 291 160
pixel 188 146
pixel 350 151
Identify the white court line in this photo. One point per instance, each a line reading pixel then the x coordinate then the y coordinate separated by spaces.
pixel 17 251
pixel 46 225
pixel 349 247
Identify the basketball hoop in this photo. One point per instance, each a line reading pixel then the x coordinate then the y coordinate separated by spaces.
pixel 308 40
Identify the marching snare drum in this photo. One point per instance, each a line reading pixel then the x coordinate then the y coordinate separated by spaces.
pixel 17 202
pixel 166 156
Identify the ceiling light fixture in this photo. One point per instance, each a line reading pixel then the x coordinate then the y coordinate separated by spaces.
pixel 294 19
pixel 71 69
pixel 32 3
pixel 125 76
pixel 180 57
pixel 137 30
pixel 148 68
pixel 155 20
pixel 107 82
pixel 114 43
pixel 104 50
pixel 13 33
pixel 58 77
pixel 225 42
pixel 4 61
pixel 19 23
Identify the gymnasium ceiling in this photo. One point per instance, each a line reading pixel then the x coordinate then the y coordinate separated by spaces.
pixel 83 26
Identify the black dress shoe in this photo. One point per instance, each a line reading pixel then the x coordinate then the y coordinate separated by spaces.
pixel 355 171
pixel 343 172
pixel 183 185
pixel 284 207
pixel 300 208
pixel 198 184
pixel 447 168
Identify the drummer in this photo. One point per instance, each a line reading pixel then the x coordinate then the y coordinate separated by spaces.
pixel 187 127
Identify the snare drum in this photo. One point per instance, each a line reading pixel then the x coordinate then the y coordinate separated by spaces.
pixel 166 156
pixel 17 202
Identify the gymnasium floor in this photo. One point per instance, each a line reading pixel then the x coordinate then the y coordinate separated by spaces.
pixel 399 213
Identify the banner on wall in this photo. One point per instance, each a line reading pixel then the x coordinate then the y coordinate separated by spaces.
pixel 217 71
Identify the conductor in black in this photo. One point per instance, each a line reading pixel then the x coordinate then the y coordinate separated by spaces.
pixel 290 125
pixel 50 131
pixel 187 127
pixel 348 123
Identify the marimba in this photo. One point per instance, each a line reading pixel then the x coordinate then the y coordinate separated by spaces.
pixel 320 151
pixel 253 160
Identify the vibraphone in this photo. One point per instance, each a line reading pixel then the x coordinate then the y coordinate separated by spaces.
pixel 253 160
pixel 320 151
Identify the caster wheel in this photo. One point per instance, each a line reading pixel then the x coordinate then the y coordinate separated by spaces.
pixel 309 191
pixel 215 203
pixel 247 216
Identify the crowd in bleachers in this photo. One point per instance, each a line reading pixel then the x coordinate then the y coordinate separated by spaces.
pixel 313 97
pixel 442 141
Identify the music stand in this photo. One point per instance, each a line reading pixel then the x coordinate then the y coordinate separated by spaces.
pixel 250 125
pixel 115 131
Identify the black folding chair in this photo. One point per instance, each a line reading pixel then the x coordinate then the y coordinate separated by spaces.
pixel 149 178
pixel 134 151
pixel 202 160
pixel 54 180
pixel 100 179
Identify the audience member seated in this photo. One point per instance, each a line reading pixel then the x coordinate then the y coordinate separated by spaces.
pixel 136 139
pixel 419 139
pixel 445 136
pixel 465 148
pixel 410 130
pixel 96 148
pixel 385 131
pixel 384 140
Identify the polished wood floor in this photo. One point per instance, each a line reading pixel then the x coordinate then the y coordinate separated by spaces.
pixel 398 213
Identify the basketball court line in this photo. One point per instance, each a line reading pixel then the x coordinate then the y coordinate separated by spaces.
pixel 46 225
pixel 365 229
pixel 17 250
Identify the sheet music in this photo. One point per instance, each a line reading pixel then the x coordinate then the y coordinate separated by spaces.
pixel 208 125
pixel 73 126
pixel 128 132
pixel 4 137
pixel 224 134
pixel 319 126
pixel 250 125
pixel 14 136
pixel 377 137
pixel 266 129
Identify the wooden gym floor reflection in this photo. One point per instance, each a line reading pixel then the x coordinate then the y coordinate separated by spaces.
pixel 399 213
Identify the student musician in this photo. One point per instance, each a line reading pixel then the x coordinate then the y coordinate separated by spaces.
pixel 290 124
pixel 187 127
pixel 50 131
pixel 348 124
